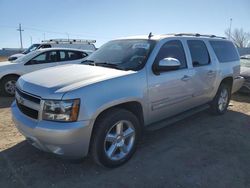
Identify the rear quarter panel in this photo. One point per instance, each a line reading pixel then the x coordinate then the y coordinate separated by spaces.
pixel 224 69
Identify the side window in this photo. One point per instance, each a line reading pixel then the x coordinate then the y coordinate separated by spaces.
pixel 63 55
pixel 83 55
pixel 172 49
pixel 40 59
pixel 44 46
pixel 73 55
pixel 46 57
pixel 225 51
pixel 52 57
pixel 199 53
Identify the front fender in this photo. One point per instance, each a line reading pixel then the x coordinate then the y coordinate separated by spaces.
pixel 116 103
pixel 96 98
pixel 8 71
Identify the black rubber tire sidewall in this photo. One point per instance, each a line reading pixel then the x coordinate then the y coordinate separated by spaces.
pixel 101 128
pixel 214 105
pixel 2 84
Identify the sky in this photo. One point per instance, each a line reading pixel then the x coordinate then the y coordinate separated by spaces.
pixel 104 20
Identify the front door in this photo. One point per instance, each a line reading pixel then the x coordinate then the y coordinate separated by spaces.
pixel 170 92
pixel 41 61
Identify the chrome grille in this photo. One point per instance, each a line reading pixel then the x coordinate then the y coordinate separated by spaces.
pixel 28 104
pixel 28 111
pixel 35 99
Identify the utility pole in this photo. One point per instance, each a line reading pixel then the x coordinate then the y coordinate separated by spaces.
pixel 20 32
pixel 230 27
pixel 67 35
pixel 31 40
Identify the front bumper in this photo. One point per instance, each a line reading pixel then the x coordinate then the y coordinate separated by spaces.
pixel 68 139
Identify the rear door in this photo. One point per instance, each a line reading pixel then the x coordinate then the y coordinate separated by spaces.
pixel 41 61
pixel 205 71
pixel 71 57
pixel 170 92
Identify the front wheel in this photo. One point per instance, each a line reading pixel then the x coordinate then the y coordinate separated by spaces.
pixel 8 85
pixel 115 137
pixel 220 103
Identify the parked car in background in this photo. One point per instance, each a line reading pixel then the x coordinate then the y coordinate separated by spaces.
pixel 245 72
pixel 30 49
pixel 10 71
pixel 144 82
pixel 58 43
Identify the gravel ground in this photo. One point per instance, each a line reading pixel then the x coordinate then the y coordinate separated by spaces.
pixel 2 58
pixel 200 151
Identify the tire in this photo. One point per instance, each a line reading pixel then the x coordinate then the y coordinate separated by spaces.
pixel 111 147
pixel 221 100
pixel 7 85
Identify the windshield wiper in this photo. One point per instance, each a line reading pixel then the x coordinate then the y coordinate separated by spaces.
pixel 90 62
pixel 103 64
pixel 106 64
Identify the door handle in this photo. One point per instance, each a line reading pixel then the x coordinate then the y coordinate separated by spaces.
pixel 185 78
pixel 210 73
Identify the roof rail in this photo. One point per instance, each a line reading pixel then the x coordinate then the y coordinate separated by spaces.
pixel 57 41
pixel 198 35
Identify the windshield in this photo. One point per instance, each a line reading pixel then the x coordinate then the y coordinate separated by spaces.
pixel 31 48
pixel 129 54
pixel 25 57
pixel 245 62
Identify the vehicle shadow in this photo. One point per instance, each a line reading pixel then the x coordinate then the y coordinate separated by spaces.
pixel 201 150
pixel 5 102
pixel 241 97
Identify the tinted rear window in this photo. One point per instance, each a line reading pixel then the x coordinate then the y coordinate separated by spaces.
pixel 199 53
pixel 225 51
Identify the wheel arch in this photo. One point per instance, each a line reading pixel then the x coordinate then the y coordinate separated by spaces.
pixel 227 80
pixel 8 75
pixel 133 106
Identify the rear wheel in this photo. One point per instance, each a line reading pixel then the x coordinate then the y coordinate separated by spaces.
pixel 8 85
pixel 115 137
pixel 220 103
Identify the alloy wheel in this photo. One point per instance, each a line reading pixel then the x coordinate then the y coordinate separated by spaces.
pixel 119 140
pixel 10 87
pixel 223 99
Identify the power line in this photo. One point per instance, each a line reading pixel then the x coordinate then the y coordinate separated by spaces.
pixel 84 34
pixel 66 33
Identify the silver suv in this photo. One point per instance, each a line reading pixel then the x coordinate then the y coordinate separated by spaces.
pixel 101 107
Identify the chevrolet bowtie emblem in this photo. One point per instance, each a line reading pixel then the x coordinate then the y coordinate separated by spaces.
pixel 21 100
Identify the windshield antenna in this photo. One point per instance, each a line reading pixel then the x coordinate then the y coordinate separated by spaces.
pixel 150 35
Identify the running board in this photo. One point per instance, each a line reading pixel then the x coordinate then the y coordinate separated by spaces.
pixel 174 119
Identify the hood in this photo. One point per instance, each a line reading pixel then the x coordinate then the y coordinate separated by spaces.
pixel 54 82
pixel 245 71
pixel 6 64
pixel 17 55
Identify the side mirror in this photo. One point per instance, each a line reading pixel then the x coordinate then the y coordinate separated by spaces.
pixel 167 64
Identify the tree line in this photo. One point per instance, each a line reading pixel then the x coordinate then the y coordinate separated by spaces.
pixel 240 38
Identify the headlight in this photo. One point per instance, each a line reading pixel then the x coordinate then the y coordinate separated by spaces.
pixel 61 110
